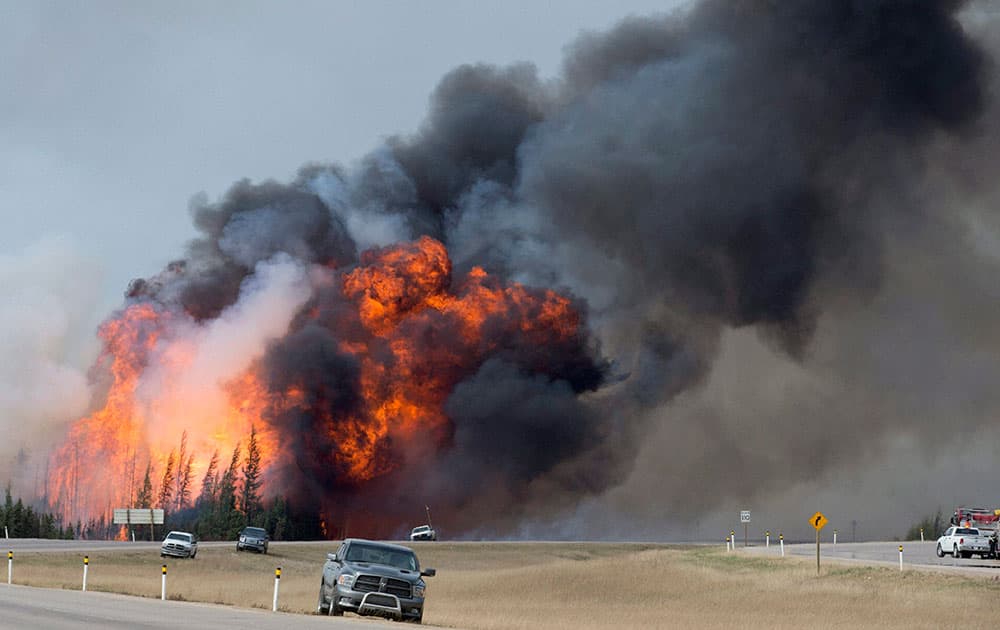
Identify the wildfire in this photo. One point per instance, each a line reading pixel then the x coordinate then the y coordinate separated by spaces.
pixel 412 330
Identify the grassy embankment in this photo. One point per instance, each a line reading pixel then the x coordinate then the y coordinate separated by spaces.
pixel 561 586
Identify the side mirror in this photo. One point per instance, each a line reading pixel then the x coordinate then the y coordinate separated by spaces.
pixel 332 557
pixel 428 573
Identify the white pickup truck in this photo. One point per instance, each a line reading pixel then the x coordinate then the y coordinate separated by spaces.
pixel 963 540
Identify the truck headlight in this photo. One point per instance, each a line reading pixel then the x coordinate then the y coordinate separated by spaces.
pixel 243 538
pixel 346 580
pixel 419 589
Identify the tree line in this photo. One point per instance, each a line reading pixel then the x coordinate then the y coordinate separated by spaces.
pixel 229 499
pixel 22 521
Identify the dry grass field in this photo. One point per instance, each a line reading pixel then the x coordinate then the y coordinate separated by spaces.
pixel 563 586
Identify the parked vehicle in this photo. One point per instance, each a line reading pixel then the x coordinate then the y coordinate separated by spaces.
pixel 963 540
pixel 423 532
pixel 373 578
pixel 255 538
pixel 987 521
pixel 179 545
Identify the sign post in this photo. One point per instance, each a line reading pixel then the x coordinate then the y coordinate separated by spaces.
pixel 745 519
pixel 818 521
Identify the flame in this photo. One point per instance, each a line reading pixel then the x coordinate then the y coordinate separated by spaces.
pixel 414 330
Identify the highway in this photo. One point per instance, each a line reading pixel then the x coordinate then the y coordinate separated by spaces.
pixel 916 555
pixel 27 607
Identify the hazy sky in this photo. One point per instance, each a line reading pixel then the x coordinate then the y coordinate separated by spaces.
pixel 113 114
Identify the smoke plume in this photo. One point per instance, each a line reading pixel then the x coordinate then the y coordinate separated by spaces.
pixel 536 304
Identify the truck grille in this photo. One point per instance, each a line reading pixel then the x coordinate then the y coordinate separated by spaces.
pixel 373 583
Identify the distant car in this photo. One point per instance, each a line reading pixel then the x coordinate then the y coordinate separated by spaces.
pixel 373 578
pixel 963 541
pixel 255 538
pixel 423 532
pixel 179 545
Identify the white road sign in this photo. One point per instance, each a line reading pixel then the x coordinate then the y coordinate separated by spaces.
pixel 745 516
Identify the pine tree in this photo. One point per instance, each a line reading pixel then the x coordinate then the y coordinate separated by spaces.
pixel 182 492
pixel 227 519
pixel 145 497
pixel 209 482
pixel 249 491
pixel 167 485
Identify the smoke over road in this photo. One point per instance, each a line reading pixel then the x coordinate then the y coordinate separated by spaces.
pixel 542 297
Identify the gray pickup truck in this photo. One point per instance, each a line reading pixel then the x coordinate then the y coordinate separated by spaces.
pixel 373 578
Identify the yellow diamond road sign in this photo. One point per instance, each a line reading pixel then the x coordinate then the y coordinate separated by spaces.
pixel 818 521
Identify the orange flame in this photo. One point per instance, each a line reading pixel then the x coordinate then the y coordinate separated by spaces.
pixel 416 333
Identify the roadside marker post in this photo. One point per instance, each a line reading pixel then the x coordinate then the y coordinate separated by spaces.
pixel 901 557
pixel 781 539
pixel 6 534
pixel 767 539
pixel 835 537
pixel 921 534
pixel 277 581
pixel 732 538
pixel 10 565
pixel 163 584
pixel 727 544
pixel 86 563
pixel 818 521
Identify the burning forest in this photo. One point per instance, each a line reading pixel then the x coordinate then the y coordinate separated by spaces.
pixel 493 315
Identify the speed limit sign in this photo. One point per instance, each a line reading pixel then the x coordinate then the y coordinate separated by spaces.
pixel 745 516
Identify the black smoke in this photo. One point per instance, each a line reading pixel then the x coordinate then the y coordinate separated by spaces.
pixel 733 165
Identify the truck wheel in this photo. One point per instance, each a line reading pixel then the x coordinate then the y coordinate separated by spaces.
pixel 335 610
pixel 940 552
pixel 954 552
pixel 322 606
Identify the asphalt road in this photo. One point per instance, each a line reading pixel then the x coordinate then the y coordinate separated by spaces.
pixel 44 545
pixel 27 607
pixel 916 555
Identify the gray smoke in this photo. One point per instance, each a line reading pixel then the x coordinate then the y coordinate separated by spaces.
pixel 741 184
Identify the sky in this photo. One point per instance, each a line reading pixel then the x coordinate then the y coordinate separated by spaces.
pixel 114 114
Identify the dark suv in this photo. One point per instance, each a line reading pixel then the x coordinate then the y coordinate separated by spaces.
pixel 373 578
pixel 255 538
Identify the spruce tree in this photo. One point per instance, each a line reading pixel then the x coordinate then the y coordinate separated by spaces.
pixel 249 491
pixel 182 490
pixel 167 485
pixel 209 482
pixel 145 497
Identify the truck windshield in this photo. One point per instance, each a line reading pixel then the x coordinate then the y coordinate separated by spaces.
pixel 373 554
pixel 967 531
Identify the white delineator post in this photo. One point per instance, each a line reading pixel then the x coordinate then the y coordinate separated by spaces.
pixel 10 565
pixel 767 539
pixel 728 541
pixel 781 539
pixel 86 563
pixel 921 534
pixel 163 584
pixel 277 581
pixel 834 537
pixel 901 557
pixel 5 533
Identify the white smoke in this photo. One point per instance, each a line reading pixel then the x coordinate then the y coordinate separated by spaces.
pixel 49 290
